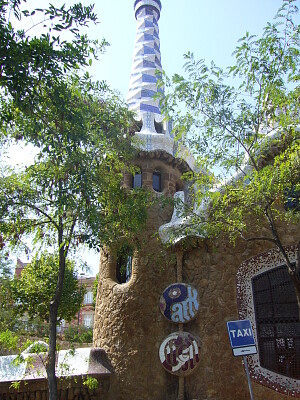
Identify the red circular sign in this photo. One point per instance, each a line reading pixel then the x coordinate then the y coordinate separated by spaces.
pixel 179 353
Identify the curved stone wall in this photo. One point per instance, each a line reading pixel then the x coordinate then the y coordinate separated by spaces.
pixel 128 322
pixel 171 170
pixel 130 326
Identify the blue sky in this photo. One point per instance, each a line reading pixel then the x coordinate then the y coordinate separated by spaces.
pixel 209 29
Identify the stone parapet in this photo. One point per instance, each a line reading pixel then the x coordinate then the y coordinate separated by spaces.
pixel 72 367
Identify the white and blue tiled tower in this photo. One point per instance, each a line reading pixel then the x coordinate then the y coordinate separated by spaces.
pixel 146 64
pixel 128 322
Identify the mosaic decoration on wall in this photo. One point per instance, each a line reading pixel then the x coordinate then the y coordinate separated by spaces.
pixel 179 353
pixel 146 63
pixel 179 303
pixel 249 269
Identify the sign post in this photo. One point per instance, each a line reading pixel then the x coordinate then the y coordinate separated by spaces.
pixel 242 343
pixel 248 377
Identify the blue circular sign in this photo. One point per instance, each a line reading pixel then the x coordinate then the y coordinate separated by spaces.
pixel 179 303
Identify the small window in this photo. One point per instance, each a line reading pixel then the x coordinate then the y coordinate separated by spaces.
pixel 137 180
pixel 88 298
pixel 138 126
pixel 156 181
pixel 292 200
pixel 88 320
pixel 158 127
pixel 124 264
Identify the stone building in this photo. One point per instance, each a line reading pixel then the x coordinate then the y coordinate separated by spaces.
pixel 161 312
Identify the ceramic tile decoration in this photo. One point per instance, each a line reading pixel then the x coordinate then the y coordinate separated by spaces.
pixel 146 64
pixel 179 303
pixel 179 353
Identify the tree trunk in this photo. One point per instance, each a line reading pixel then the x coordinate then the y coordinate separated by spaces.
pixel 50 367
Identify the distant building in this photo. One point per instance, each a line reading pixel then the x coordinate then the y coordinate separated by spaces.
pixel 19 268
pixel 86 312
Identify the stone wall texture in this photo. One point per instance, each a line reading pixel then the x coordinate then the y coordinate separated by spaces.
pixel 130 327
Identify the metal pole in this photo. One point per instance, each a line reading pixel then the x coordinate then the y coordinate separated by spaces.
pixel 248 377
pixel 81 275
pixel 179 256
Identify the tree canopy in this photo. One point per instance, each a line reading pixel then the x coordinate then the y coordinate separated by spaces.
pixel 27 61
pixel 82 135
pixel 33 291
pixel 72 192
pixel 243 126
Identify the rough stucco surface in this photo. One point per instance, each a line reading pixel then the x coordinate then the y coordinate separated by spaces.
pixel 130 327
pixel 212 269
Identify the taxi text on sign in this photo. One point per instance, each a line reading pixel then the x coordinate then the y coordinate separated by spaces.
pixel 241 337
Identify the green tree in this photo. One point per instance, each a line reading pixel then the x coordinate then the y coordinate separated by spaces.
pixel 34 290
pixel 72 193
pixel 243 126
pixel 27 61
pixel 6 274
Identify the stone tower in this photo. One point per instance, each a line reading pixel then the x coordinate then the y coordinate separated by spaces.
pixel 128 323
pixel 161 312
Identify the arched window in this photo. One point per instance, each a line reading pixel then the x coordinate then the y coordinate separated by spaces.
pixel 156 181
pixel 277 322
pixel 137 179
pixel 124 264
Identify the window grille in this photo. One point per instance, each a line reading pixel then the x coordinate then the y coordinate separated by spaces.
pixel 292 200
pixel 277 322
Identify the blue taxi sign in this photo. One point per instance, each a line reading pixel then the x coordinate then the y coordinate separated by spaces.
pixel 241 337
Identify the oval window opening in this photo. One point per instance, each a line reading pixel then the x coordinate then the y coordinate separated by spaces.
pixel 124 264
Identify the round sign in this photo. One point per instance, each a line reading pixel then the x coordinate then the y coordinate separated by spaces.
pixel 179 353
pixel 179 303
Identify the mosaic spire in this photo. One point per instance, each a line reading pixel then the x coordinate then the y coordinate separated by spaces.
pixel 146 62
